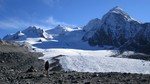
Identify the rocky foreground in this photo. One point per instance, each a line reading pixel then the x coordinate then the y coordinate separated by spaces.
pixel 19 66
pixel 39 77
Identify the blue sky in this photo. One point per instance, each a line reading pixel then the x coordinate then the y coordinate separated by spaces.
pixel 17 15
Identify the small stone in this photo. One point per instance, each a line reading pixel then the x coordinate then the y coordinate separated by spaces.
pixel 144 80
pixel 87 83
pixel 99 81
pixel 2 61
pixel 95 75
pixel 60 81
pixel 42 75
pixel 31 69
pixel 11 70
pixel 74 81
pixel 28 82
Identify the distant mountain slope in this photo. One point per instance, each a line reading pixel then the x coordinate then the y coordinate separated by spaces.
pixel 30 32
pixel 116 29
pixel 72 47
pixel 120 30
pixel 59 30
pixel 11 46
pixel 90 28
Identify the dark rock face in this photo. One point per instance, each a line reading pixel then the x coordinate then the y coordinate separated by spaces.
pixel 141 41
pixel 90 28
pixel 55 65
pixel 120 30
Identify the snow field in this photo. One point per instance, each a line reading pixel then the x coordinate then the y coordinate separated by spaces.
pixel 96 61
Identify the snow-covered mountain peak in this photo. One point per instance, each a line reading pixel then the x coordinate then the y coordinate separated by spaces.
pixel 115 13
pixel 90 28
pixel 32 28
pixel 59 27
pixel 20 33
pixel 59 30
pixel 33 31
pixel 30 32
pixel 116 9
pixel 92 24
pixel 120 30
pixel 65 28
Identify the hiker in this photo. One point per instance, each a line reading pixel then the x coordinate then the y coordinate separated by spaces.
pixel 47 66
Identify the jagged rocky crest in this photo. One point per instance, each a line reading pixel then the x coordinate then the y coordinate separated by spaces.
pixel 90 28
pixel 30 32
pixel 118 29
pixel 59 30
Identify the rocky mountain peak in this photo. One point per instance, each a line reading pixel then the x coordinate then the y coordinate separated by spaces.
pixel 118 29
pixel 59 27
pixel 59 30
pixel 32 28
pixel 118 10
pixel 117 13
pixel 33 31
pixel 92 24
pixel 30 32
pixel 19 33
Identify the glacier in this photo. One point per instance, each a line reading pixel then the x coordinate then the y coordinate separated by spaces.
pixel 107 35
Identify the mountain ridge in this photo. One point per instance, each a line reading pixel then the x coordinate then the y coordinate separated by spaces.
pixel 120 30
pixel 116 28
pixel 30 32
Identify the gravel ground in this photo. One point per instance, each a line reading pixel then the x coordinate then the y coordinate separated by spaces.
pixel 23 67
pixel 59 77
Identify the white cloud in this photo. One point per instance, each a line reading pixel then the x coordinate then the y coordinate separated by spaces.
pixel 50 20
pixel 11 23
pixel 14 23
